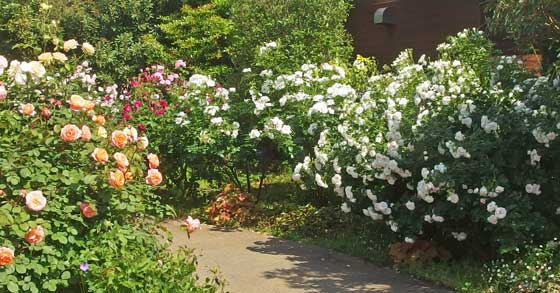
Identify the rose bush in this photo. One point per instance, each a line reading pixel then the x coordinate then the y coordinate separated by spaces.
pixel 68 175
pixel 459 148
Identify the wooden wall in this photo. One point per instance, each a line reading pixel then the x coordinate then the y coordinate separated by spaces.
pixel 420 24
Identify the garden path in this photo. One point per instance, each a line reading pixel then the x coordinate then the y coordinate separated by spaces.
pixel 254 262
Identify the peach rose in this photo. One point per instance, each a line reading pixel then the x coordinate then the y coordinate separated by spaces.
pixel 119 138
pixel 153 161
pixel 101 132
pixel 154 177
pixel 128 176
pixel 70 45
pixel 6 256
pixel 122 161
pixel 89 105
pixel 35 235
pixel 87 210
pixel 27 109
pixel 35 201
pixel 70 132
pixel 116 179
pixel 86 133
pixel 77 103
pixel 99 119
pixel 100 155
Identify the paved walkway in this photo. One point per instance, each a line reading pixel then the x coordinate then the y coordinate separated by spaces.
pixel 254 262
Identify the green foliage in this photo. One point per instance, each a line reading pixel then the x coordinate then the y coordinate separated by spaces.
pixel 200 37
pixel 535 269
pixel 76 202
pixel 310 31
pixel 127 259
pixel 533 25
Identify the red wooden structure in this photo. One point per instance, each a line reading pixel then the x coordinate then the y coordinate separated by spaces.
pixel 383 28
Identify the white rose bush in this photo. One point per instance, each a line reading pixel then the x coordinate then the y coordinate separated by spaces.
pixel 460 149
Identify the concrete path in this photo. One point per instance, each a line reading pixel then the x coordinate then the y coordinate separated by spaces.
pixel 253 262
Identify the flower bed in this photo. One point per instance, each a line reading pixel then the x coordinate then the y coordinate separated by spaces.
pixel 71 175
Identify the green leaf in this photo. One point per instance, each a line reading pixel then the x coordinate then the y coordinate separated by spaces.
pixel 25 173
pixel 13 287
pixel 65 275
pixel 21 269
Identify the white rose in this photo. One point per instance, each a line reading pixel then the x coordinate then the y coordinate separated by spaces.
pixel 70 45
pixel 88 49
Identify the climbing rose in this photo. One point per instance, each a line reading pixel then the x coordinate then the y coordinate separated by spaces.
pixel 154 177
pixel 35 235
pixel 35 201
pixel 116 179
pixel 191 224
pixel 153 161
pixel 119 138
pixel 6 256
pixel 70 132
pixel 87 210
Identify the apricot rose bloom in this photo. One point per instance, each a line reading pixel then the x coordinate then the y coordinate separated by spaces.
pixel 35 235
pixel 89 105
pixel 27 109
pixel 116 179
pixel 35 201
pixel 100 155
pixel 119 138
pixel 86 133
pixel 122 161
pixel 6 256
pixel 77 103
pixel 99 119
pixel 153 161
pixel 154 177
pixel 70 132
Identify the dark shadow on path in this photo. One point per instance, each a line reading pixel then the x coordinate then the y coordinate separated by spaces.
pixel 316 269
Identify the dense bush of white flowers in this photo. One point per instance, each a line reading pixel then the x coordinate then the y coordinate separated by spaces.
pixel 461 148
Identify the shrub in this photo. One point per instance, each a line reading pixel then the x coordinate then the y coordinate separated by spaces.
pixel 455 149
pixel 535 269
pixel 308 31
pixel 67 172
pixel 125 259
pixel 200 37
